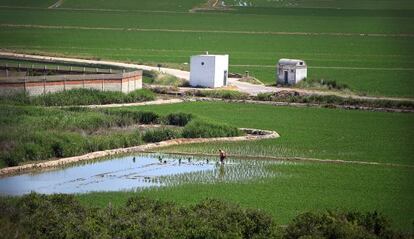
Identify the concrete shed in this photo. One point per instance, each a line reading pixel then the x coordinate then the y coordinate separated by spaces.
pixel 209 70
pixel 291 71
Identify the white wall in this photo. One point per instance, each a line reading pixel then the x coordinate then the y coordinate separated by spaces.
pixel 222 66
pixel 208 70
pixel 301 74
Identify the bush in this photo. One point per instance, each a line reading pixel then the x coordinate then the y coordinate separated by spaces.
pixel 202 129
pixel 339 225
pixel 162 134
pixel 126 115
pixel 179 119
pixel 62 216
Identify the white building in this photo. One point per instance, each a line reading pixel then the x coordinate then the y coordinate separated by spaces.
pixel 290 71
pixel 209 70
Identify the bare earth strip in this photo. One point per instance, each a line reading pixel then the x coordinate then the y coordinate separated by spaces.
pixel 56 4
pixel 253 134
pixel 206 31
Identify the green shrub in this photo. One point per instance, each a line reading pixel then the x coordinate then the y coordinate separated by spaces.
pixel 62 216
pixel 143 117
pixel 179 119
pixel 162 134
pixel 339 225
pixel 202 129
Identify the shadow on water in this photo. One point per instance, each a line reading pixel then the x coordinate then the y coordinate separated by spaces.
pixel 135 172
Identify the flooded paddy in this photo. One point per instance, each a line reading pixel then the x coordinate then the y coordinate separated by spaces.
pixel 135 172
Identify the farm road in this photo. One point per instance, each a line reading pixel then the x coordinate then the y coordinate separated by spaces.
pixel 208 31
pixel 251 89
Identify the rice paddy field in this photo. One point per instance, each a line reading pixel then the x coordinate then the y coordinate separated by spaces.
pixel 367 48
pixel 302 186
pixel 365 44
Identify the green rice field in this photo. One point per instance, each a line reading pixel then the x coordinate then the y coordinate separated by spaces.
pixel 334 42
pixel 350 159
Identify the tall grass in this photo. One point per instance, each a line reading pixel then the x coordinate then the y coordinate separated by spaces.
pixel 81 97
pixel 204 129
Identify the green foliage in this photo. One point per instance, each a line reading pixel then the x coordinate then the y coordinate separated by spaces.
pixel 61 216
pixel 160 134
pixel 81 97
pixel 222 94
pixel 143 117
pixel 322 84
pixel 179 118
pixel 333 100
pixel 203 129
pixel 340 225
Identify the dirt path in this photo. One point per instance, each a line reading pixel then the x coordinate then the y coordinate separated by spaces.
pixel 209 31
pixel 56 4
pixel 252 134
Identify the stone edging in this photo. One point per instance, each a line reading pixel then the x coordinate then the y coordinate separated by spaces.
pixel 253 134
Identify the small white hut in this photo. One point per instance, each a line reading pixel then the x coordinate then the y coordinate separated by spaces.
pixel 291 71
pixel 209 70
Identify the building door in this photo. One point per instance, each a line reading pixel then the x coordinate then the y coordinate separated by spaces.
pixel 225 78
pixel 286 77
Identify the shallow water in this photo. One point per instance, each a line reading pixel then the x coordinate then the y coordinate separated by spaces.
pixel 134 172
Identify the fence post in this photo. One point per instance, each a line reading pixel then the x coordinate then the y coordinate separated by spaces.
pixel 70 69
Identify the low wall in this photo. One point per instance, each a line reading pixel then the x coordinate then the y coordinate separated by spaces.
pixel 38 85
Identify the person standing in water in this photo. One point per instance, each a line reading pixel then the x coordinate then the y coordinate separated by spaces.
pixel 222 156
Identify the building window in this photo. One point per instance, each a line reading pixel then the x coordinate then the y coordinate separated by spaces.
pixel 291 71
pixel 202 63
pixel 301 63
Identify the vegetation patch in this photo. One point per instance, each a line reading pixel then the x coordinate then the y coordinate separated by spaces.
pixel 62 216
pixel 222 94
pixel 158 78
pixel 296 97
pixel 161 134
pixel 204 129
pixel 322 85
pixel 81 97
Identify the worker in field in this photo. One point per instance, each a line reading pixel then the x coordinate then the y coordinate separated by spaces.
pixel 223 156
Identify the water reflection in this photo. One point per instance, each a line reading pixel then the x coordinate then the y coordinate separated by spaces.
pixel 134 172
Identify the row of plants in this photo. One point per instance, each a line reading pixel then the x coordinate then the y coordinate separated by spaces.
pixel 334 100
pixel 36 133
pixel 80 97
pixel 62 216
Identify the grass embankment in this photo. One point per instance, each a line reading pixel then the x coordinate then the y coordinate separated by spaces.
pixel 62 216
pixel 365 63
pixel 33 133
pixel 328 101
pixel 80 97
